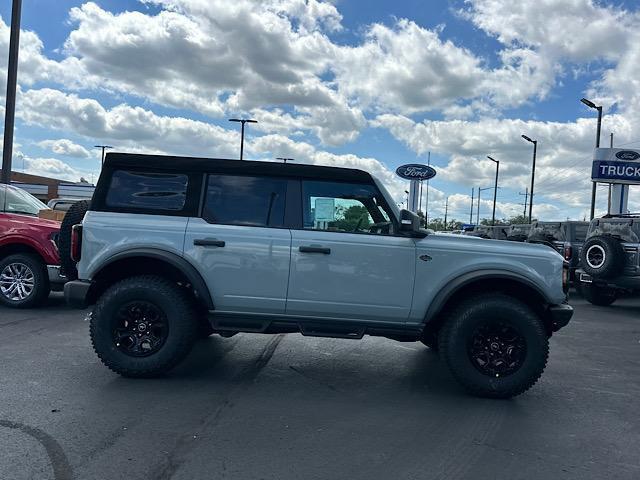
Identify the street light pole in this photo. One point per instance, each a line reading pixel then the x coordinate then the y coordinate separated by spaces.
pixel 12 79
pixel 285 160
pixel 103 147
pixel 242 121
pixel 594 185
pixel 479 192
pixel 495 189
pixel 533 174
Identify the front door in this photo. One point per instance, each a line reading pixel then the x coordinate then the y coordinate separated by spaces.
pixel 240 245
pixel 347 261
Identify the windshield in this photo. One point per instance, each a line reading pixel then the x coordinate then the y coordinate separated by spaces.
pixel 626 230
pixel 15 200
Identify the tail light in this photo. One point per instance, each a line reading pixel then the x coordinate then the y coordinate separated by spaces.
pixel 565 277
pixel 568 252
pixel 76 243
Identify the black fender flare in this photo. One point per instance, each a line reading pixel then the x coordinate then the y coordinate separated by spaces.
pixel 443 296
pixel 176 261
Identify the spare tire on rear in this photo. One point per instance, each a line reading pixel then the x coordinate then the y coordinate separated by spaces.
pixel 74 216
pixel 602 256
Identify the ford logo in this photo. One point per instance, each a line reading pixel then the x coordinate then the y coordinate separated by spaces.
pixel 628 155
pixel 414 171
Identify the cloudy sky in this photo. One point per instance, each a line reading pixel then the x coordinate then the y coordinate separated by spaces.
pixel 370 85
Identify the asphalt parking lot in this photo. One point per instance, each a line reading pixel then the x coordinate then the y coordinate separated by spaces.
pixel 290 407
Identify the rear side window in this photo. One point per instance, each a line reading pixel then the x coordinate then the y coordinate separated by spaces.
pixel 245 200
pixel 147 191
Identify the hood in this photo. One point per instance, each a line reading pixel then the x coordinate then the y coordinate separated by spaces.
pixel 27 221
pixel 479 245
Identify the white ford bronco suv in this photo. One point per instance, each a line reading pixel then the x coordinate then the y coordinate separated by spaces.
pixel 172 248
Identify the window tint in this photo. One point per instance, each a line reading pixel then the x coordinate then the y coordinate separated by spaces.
pixel 245 200
pixel 149 191
pixel 344 207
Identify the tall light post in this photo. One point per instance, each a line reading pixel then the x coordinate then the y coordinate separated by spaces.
pixel 533 174
pixel 103 147
pixel 495 189
pixel 242 121
pixel 12 79
pixel 285 160
pixel 480 190
pixel 594 186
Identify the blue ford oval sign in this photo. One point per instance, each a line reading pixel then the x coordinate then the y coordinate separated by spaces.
pixel 628 155
pixel 415 171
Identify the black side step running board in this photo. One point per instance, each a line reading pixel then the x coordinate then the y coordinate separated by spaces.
pixel 228 324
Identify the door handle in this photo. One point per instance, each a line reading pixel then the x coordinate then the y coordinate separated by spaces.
pixel 314 249
pixel 208 242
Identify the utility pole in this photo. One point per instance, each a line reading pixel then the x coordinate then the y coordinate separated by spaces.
pixel 471 211
pixel 12 80
pixel 242 121
pixel 446 210
pixel 526 196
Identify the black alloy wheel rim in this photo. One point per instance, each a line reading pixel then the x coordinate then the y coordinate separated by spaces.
pixel 141 329
pixel 496 349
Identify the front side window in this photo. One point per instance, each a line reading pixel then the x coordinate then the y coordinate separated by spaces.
pixel 345 207
pixel 245 200
pixel 147 191
pixel 15 200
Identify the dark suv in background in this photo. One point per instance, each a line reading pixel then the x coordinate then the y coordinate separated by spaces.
pixel 566 238
pixel 610 258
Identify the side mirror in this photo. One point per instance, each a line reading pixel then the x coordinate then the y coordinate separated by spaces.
pixel 409 222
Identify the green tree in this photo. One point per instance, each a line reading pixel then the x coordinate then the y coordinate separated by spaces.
pixel 347 219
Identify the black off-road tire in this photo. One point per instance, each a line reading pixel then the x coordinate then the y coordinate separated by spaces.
pixel 74 216
pixel 181 318
pixel 41 286
pixel 600 296
pixel 612 251
pixel 458 330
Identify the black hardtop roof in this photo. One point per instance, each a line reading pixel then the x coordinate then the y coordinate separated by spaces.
pixel 115 160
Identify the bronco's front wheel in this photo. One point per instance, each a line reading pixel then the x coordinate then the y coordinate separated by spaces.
pixel 143 326
pixel 495 345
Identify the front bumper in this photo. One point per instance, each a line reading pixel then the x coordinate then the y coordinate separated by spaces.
pixel 76 293
pixel 559 315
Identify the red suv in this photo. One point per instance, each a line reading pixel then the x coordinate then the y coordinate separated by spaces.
pixel 29 261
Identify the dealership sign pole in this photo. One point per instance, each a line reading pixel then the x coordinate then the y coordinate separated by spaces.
pixel 618 166
pixel 415 173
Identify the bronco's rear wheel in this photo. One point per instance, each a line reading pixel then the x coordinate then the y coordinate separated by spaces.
pixel 495 345
pixel 143 326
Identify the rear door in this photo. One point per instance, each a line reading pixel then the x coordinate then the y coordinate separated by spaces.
pixel 346 261
pixel 239 243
